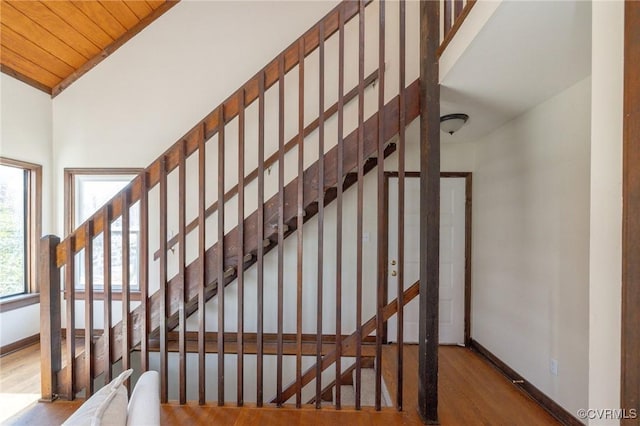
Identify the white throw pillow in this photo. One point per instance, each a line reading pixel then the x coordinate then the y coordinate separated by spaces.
pixel 107 407
pixel 144 405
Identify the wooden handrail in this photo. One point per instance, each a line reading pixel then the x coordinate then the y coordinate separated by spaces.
pixel 209 126
pixel 271 160
pixel 458 20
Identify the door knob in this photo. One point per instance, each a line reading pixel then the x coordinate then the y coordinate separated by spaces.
pixel 393 262
pixel 394 273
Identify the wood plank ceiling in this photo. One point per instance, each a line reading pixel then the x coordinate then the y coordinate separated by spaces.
pixel 49 44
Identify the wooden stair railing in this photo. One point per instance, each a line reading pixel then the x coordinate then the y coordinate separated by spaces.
pixel 149 326
pixel 250 225
pixel 210 125
pixel 455 13
pixel 350 342
pixel 330 112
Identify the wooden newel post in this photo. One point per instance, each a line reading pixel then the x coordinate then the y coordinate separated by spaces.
pixel 429 212
pixel 50 343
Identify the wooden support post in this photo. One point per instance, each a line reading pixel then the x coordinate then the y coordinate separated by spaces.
pixel 630 362
pixel 49 317
pixel 429 213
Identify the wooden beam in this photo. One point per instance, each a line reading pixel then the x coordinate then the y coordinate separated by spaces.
pixel 630 365
pixel 429 213
pixel 23 78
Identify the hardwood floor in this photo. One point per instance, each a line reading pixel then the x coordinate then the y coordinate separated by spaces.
pixel 19 381
pixel 471 391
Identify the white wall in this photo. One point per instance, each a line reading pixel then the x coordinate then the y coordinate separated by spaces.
pixel 141 99
pixel 25 121
pixel 606 207
pixel 531 244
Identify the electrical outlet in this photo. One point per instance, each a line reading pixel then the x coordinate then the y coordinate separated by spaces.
pixel 553 367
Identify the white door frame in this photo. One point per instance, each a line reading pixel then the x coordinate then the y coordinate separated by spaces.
pixel 467 249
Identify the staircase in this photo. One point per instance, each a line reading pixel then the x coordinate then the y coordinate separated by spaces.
pixel 321 183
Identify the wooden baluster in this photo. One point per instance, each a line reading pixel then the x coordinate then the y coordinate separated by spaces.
pixel 447 17
pixel 401 201
pixel 360 203
pixel 260 239
pixel 50 313
pixel 320 217
pixel 272 159
pixel 202 256
pixel 182 270
pixel 221 206
pixel 88 308
pixel 339 184
pixel 164 372
pixel 240 252
pixel 108 336
pixel 126 284
pixel 382 251
pixel 457 9
pixel 280 227
pixel 144 270
pixel 70 290
pixel 300 220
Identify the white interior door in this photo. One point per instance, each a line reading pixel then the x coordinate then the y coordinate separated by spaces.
pixel 452 252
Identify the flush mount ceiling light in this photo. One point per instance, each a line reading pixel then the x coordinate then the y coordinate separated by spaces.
pixel 451 123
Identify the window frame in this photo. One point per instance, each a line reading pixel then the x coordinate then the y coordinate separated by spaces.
pixel 70 211
pixel 33 232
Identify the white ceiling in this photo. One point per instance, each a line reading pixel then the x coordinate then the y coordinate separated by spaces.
pixel 527 52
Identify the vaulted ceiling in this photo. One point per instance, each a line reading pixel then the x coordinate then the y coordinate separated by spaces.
pixel 49 44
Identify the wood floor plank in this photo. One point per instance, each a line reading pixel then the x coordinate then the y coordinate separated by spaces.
pixel 471 392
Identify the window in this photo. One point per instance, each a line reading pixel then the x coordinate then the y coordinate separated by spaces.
pixel 87 190
pixel 20 184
